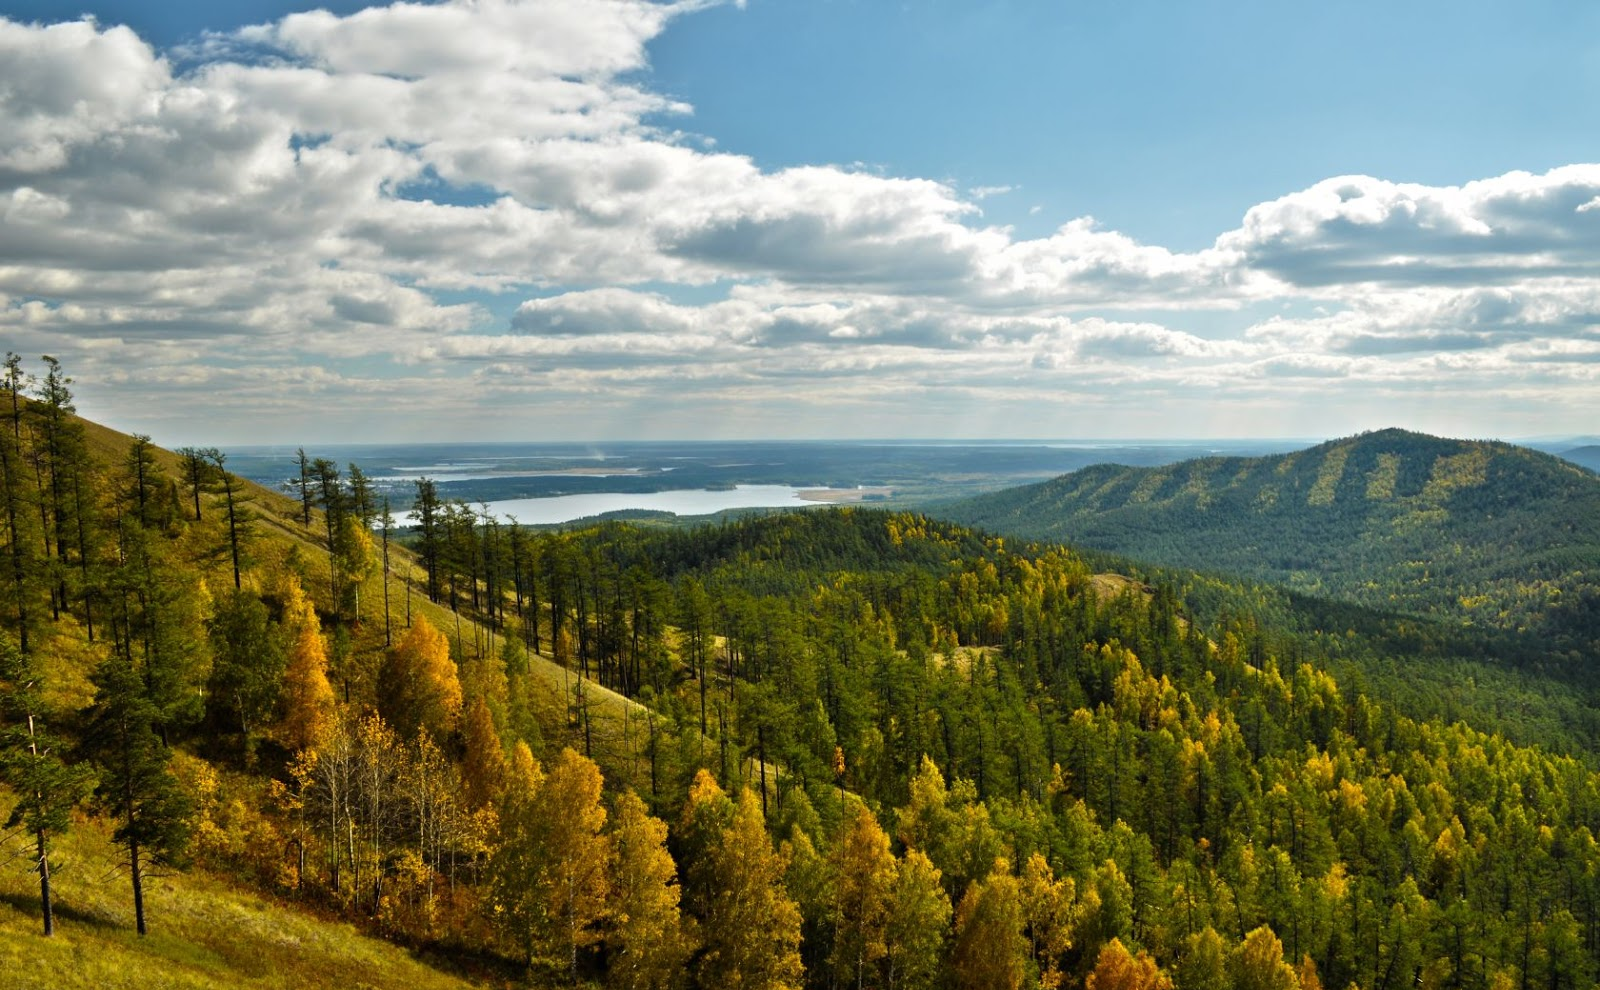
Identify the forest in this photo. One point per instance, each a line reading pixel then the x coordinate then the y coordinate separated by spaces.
pixel 838 748
pixel 1485 534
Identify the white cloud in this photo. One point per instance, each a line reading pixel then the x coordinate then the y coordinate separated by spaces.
pixel 343 203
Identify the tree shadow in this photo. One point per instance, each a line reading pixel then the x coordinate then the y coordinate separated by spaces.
pixel 29 906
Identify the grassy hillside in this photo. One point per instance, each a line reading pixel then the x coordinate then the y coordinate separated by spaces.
pixel 1490 533
pixel 209 934
pixel 1157 763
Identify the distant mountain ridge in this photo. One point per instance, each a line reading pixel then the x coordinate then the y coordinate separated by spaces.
pixel 1495 534
pixel 1587 455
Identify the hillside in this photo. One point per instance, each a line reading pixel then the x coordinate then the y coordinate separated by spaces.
pixel 743 754
pixel 1587 456
pixel 1488 533
pixel 212 934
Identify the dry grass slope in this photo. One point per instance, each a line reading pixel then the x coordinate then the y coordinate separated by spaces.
pixel 204 934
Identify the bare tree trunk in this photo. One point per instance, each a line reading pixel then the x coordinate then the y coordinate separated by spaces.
pixel 138 886
pixel 44 885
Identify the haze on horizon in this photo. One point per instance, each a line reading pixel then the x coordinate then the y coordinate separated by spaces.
pixel 620 219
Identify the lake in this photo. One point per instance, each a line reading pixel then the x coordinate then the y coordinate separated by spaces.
pixel 684 502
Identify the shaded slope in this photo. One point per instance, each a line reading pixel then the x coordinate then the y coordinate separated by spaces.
pixel 1498 535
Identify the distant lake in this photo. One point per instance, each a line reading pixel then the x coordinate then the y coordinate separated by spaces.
pixel 684 502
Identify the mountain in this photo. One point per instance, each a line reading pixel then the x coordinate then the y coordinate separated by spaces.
pixel 1084 771
pixel 1486 532
pixel 1587 455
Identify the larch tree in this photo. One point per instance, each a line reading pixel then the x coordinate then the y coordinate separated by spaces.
pixel 1048 908
pixel 47 788
pixel 60 459
pixel 302 484
pixel 1203 963
pixel 430 537
pixel 752 926
pixel 308 701
pixel 648 939
pixel 1118 969
pixel 420 687
pixel 548 876
pixel 863 872
pixel 163 606
pixel 197 465
pixel 989 952
pixel 238 518
pixel 707 813
pixel 483 767
pixel 1258 963
pixel 358 561
pixel 918 923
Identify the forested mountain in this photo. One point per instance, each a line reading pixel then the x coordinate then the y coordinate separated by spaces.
pixel 840 747
pixel 1489 533
pixel 1587 455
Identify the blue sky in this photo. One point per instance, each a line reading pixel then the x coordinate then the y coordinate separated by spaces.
pixel 592 219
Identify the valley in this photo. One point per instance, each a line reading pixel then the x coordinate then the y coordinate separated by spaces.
pixel 799 747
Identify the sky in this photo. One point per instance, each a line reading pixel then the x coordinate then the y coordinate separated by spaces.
pixel 273 222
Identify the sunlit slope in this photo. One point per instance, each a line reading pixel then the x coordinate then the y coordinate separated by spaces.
pixel 205 934
pixel 1494 533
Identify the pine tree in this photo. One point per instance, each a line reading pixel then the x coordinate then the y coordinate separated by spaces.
pixel 136 781
pixel 648 938
pixel 248 661
pixel 31 764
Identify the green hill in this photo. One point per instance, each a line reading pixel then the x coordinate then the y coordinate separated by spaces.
pixel 1494 534
pixel 841 727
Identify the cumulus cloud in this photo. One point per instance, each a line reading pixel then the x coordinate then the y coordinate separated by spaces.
pixel 345 204
pixel 1357 229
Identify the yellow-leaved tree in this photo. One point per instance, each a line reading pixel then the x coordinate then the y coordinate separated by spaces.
pixel 919 920
pixel 1118 969
pixel 1048 909
pixel 549 876
pixel 989 950
pixel 650 943
pixel 420 690
pixel 1258 963
pixel 752 926
pixel 308 702
pixel 863 870
pixel 483 766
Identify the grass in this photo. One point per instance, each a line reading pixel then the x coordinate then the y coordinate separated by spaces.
pixel 204 933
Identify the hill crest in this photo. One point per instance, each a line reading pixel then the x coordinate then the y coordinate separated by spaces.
pixel 1483 530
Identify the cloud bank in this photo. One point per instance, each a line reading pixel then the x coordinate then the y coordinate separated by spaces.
pixel 438 217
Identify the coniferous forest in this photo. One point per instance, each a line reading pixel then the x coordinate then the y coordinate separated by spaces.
pixel 835 748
